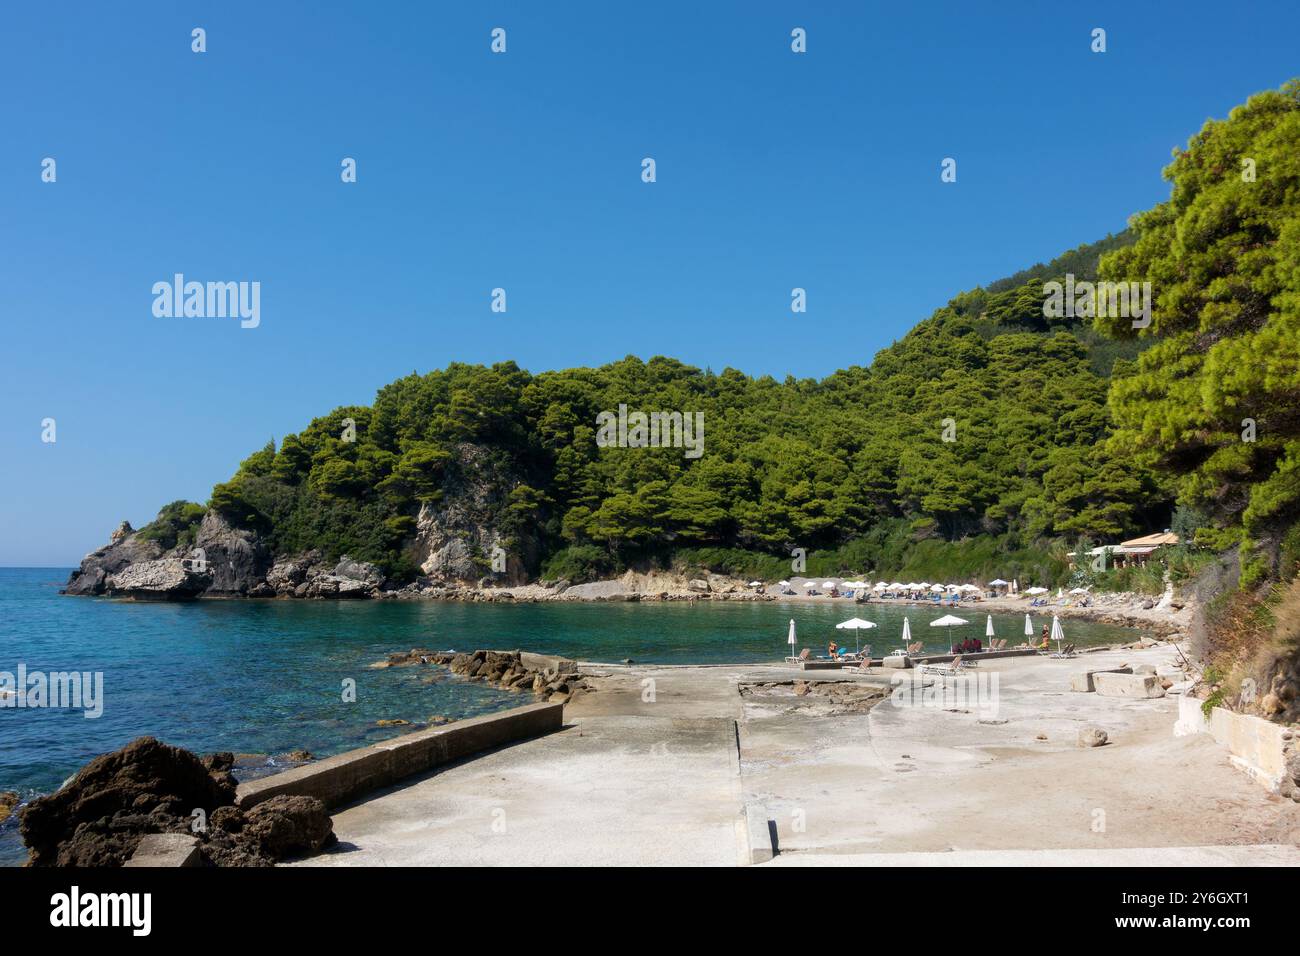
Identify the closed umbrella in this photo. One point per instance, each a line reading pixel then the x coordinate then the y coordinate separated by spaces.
pixel 854 624
pixel 988 629
pixel 1029 627
pixel 791 641
pixel 907 633
pixel 1058 635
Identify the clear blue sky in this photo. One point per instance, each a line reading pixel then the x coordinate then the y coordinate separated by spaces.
pixel 775 170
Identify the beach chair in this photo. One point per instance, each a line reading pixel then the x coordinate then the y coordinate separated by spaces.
pixel 857 663
pixel 952 669
pixel 1066 651
pixel 803 656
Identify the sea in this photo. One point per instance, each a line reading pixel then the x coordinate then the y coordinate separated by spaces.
pixel 265 677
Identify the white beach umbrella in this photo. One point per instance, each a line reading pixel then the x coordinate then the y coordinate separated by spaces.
pixel 1035 590
pixel 1015 585
pixel 988 628
pixel 755 584
pixel 936 588
pixel 1078 590
pixel 784 584
pixel 882 586
pixel 924 584
pixel 854 624
pixel 1029 627
pixel 828 584
pixel 948 621
pixel 791 641
pixel 897 586
pixel 1058 635
pixel 907 633
pixel 998 583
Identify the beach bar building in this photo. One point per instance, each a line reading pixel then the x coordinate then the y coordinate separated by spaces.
pixel 1135 551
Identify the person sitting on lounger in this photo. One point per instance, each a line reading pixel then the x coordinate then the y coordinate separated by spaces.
pixel 832 650
pixel 1046 641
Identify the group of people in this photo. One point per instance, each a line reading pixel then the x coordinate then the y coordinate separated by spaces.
pixel 968 646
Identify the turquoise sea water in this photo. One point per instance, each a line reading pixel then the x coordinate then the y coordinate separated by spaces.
pixel 265 677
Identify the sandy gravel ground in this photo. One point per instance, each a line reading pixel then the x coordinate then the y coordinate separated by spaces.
pixel 656 766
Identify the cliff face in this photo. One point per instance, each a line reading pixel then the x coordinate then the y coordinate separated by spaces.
pixel 456 544
pixel 457 540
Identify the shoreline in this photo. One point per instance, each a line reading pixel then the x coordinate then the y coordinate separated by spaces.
pixel 1164 616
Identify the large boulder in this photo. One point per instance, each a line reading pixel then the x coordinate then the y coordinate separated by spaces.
pixel 98 817
pixel 163 579
pixel 1140 686
pixel 288 825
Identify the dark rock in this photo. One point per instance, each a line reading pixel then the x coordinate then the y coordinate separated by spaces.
pixel 237 559
pixel 286 825
pixel 94 819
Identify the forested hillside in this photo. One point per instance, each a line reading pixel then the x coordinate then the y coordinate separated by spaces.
pixel 985 420
pixel 985 439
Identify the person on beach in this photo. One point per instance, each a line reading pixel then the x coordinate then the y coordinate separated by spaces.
pixel 1046 642
pixel 832 650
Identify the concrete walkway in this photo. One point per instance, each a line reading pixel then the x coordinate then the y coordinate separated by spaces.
pixel 647 772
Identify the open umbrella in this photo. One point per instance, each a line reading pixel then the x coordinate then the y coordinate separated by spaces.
pixel 998 583
pixel 854 624
pixel 1058 635
pixel 1035 590
pixel 948 621
pixel 755 584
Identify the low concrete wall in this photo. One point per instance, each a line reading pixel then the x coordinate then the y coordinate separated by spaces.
pixel 345 777
pixel 1256 745
pixel 1191 718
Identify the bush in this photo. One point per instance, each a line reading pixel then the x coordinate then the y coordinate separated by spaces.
pixel 176 524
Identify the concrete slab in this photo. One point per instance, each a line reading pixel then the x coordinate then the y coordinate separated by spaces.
pixel 166 850
pixel 1206 856
pixel 618 790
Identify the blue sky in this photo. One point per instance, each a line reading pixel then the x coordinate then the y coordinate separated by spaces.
pixel 522 171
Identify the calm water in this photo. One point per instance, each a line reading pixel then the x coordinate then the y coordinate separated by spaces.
pixel 265 677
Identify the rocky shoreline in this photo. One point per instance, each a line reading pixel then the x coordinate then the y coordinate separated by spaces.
pixel 553 679
pixel 226 562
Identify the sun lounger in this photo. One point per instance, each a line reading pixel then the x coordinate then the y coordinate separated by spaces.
pixel 803 656
pixel 952 669
pixel 1066 651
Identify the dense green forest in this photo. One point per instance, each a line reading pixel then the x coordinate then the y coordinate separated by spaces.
pixel 988 439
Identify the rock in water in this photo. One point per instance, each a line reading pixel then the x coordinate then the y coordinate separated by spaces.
pixel 98 817
pixel 8 800
pixel 164 579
